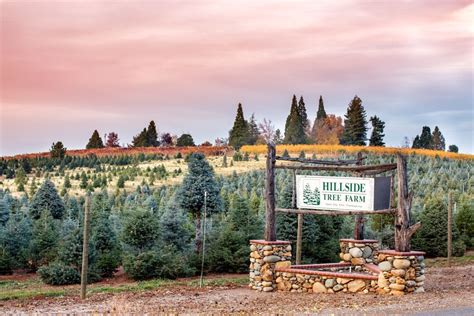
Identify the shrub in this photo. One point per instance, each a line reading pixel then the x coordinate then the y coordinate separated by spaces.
pixel 59 274
pixel 142 266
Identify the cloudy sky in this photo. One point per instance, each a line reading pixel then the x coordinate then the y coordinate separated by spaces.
pixel 69 67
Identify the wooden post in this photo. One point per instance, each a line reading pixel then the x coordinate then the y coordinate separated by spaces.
pixel 293 193
pixel 403 230
pixel 450 231
pixel 270 228
pixel 359 220
pixel 299 238
pixel 85 247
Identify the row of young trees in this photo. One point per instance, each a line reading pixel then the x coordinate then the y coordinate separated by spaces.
pixel 326 129
pixel 157 232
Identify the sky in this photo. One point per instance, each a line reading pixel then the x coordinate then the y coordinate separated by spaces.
pixel 69 67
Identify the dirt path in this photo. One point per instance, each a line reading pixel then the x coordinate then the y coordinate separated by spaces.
pixel 448 291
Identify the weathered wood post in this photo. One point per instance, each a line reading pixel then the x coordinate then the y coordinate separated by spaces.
pixel 299 231
pixel 359 221
pixel 85 247
pixel 450 228
pixel 270 228
pixel 403 230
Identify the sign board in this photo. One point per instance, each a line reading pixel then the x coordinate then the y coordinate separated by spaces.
pixel 342 193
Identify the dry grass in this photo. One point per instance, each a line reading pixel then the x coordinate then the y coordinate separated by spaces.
pixel 338 149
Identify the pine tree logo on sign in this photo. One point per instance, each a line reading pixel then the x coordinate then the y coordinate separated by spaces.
pixel 311 197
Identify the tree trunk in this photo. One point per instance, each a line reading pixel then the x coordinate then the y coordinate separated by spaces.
pixel 270 228
pixel 198 237
pixel 403 230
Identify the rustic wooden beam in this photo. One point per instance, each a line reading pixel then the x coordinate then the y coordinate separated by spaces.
pixel 299 238
pixel 368 169
pixel 450 226
pixel 323 162
pixel 403 230
pixel 270 227
pixel 333 213
pixel 359 221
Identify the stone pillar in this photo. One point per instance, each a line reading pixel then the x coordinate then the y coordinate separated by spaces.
pixel 358 252
pixel 402 272
pixel 265 256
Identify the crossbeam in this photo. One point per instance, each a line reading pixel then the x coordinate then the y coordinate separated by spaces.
pixel 389 211
pixel 372 169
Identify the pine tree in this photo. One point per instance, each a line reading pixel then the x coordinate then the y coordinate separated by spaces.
pixel 376 139
pixel 416 142
pixel 254 133
pixel 200 179
pixel 95 141
pixel 278 139
pixel 355 129
pixel 67 182
pixel 107 247
pixel 438 140
pixel 4 212
pixel 141 140
pixel 112 140
pixel 239 134
pixel 307 194
pixel 185 140
pixel 58 150
pixel 47 200
pixel 294 128
pixel 303 114
pixel 152 135
pixel 44 244
pixel 426 140
pixel 321 111
pixel 140 231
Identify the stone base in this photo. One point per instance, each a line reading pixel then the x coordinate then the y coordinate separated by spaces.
pixel 401 272
pixel 265 257
pixel 358 252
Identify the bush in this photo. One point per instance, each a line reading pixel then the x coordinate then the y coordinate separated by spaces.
pixel 142 266
pixel 5 263
pixel 59 274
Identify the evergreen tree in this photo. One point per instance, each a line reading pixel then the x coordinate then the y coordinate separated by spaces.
pixel 376 139
pixel 152 135
pixel 438 140
pixel 239 134
pixel 140 231
pixel 464 219
pixel 355 129
pixel 426 140
pixel 4 212
pixel 58 150
pixel 141 140
pixel 294 127
pixel 15 238
pixel 453 148
pixel 416 142
pixel 20 179
pixel 67 182
pixel 303 114
pixel 121 182
pixel 95 141
pixel 185 140
pixel 112 140
pixel 254 133
pixel 278 139
pixel 321 114
pixel 200 179
pixel 47 200
pixel 44 244
pixel 106 244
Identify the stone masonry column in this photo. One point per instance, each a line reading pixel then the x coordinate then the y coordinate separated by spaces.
pixel 358 252
pixel 402 272
pixel 265 257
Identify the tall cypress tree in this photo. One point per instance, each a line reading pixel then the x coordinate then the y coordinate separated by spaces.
pixel 95 141
pixel 303 114
pixel 239 134
pixel 152 135
pixel 294 128
pixel 438 140
pixel 355 124
pixel 376 139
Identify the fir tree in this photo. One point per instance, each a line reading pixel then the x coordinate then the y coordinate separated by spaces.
pixel 58 150
pixel 355 129
pixel 294 127
pixel 67 182
pixel 376 139
pixel 141 140
pixel 200 179
pixel 44 244
pixel 152 135
pixel 253 131
pixel 321 114
pixel 416 142
pixel 278 139
pixel 438 140
pixel 303 114
pixel 95 141
pixel 112 140
pixel 239 134
pixel 47 200
pixel 140 231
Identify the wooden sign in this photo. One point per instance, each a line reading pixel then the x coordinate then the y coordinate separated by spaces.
pixel 342 193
